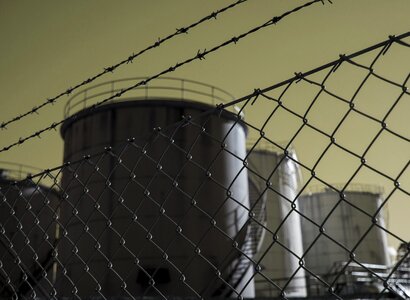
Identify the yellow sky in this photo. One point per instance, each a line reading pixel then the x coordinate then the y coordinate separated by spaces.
pixel 49 46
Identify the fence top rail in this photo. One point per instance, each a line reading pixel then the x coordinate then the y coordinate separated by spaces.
pixel 342 57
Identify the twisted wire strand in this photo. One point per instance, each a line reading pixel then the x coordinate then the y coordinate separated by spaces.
pixel 129 59
pixel 199 56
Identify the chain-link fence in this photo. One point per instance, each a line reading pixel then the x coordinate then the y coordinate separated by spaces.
pixel 215 205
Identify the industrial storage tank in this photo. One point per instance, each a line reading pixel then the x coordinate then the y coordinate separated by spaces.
pixel 27 234
pixel 158 211
pixel 276 178
pixel 349 222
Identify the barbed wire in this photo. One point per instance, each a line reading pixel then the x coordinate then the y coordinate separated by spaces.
pixel 385 45
pixel 129 59
pixel 199 56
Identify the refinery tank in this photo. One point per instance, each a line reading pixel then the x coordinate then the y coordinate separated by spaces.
pixel 347 224
pixel 156 213
pixel 27 233
pixel 268 165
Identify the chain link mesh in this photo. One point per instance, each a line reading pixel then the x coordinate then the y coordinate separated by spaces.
pixel 215 205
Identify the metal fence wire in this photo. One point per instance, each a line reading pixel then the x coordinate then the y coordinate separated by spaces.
pixel 217 206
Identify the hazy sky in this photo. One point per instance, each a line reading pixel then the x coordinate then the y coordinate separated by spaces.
pixel 49 46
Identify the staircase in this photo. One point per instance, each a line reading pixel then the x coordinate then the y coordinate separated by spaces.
pixel 356 279
pixel 253 242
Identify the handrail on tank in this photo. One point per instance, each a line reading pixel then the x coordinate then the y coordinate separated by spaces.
pixel 177 88
pixel 352 187
pixel 265 145
pixel 16 171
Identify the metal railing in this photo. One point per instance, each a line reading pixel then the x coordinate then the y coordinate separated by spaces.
pixel 162 88
pixel 264 145
pixel 15 171
pixel 352 187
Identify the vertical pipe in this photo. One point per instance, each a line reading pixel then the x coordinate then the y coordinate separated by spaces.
pixel 182 88
pixel 213 95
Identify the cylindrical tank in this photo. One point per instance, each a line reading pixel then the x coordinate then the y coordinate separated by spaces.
pixel 27 234
pixel 347 225
pixel 279 260
pixel 162 208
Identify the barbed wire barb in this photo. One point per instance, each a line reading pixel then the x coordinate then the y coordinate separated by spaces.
pixel 166 71
pixel 113 68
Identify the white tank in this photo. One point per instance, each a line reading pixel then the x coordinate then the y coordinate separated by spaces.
pixel 346 225
pixel 278 264
pixel 27 234
pixel 144 209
